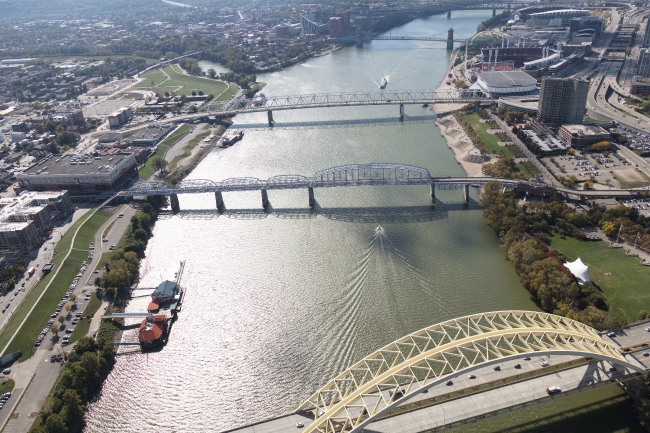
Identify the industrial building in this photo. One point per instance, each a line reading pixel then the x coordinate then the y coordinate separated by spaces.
pixel 505 83
pixel 562 100
pixel 640 86
pixel 25 219
pixel 582 135
pixel 120 116
pixel 79 174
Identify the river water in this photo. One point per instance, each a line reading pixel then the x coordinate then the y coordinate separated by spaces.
pixel 278 302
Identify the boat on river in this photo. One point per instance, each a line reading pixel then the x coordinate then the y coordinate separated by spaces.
pixel 229 139
pixel 384 83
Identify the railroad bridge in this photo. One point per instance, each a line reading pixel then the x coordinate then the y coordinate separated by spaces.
pixel 412 374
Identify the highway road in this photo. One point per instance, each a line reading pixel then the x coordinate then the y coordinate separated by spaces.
pixel 581 377
pixel 36 376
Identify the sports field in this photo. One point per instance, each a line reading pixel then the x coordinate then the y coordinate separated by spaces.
pixel 172 80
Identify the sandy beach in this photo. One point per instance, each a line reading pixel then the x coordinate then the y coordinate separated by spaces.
pixel 464 151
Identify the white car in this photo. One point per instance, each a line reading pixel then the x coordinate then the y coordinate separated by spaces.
pixel 544 364
pixel 472 376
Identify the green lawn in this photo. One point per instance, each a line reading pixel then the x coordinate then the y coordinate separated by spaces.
pixel 626 289
pixel 155 75
pixel 186 83
pixel 491 141
pixel 87 233
pixel 7 386
pixel 82 328
pixel 176 135
pixel 24 340
pixel 528 169
pixel 148 169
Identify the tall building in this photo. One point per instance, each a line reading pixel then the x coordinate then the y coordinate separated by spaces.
pixel 562 100
pixel 643 66
pixel 646 34
pixel 336 27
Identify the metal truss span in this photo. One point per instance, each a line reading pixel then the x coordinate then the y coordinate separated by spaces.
pixel 378 97
pixel 431 356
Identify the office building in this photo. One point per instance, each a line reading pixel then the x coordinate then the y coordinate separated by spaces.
pixel 643 66
pixel 119 116
pixel 562 100
pixel 579 24
pixel 582 135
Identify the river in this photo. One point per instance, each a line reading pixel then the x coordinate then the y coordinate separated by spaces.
pixel 278 302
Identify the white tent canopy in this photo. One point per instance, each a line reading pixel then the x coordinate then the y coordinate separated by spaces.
pixel 579 270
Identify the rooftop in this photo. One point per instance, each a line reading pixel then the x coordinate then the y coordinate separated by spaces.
pixel 77 164
pixel 585 130
pixel 507 79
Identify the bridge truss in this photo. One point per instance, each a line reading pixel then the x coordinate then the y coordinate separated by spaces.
pixel 378 97
pixel 431 356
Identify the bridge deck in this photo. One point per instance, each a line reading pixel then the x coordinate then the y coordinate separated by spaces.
pixel 581 377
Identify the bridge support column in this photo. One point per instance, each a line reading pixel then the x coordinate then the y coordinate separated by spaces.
pixel 432 192
pixel 311 196
pixel 173 200
pixel 359 38
pixel 494 12
pixel 448 14
pixel 265 199
pixel 401 111
pixel 450 39
pixel 219 199
pixel 466 192
pixel 270 116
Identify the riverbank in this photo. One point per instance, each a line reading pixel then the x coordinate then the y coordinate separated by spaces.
pixel 468 156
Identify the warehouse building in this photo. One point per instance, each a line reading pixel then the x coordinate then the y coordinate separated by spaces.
pixel 79 174
pixel 582 135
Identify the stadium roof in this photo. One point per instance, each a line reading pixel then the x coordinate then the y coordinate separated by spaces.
pixel 507 79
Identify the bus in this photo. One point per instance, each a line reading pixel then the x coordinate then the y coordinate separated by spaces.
pixel 31 271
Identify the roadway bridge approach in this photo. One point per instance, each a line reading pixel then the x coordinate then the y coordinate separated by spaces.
pixel 460 370
pixel 371 174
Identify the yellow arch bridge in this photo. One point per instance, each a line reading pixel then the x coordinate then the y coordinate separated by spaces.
pixel 429 357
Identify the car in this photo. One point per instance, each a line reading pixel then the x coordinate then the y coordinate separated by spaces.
pixel 646 353
pixel 497 368
pixel 544 364
pixel 69 331
pixel 553 390
pixel 647 329
pixel 517 365
pixel 104 240
pixel 6 371
pixel 472 376
pixel 612 368
pixel 6 394
pixel 300 425
pixel 449 383
pixel 611 334
pixel 120 215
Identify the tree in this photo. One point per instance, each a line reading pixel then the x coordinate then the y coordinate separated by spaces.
pixel 55 424
pixel 61 319
pixel 159 163
pixel 193 93
pixel 98 282
pixel 194 109
pixel 601 146
pixel 55 329
pixel 73 298
pixel 68 307
pixel 608 228
pixel 212 73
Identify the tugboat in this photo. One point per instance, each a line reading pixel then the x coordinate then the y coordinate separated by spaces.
pixel 229 139
pixel 384 83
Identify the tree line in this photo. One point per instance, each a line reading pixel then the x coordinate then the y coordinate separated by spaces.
pixel 524 232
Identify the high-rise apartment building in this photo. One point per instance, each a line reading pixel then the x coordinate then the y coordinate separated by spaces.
pixel 643 66
pixel 562 100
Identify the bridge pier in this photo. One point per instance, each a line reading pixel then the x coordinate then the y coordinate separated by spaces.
pixel 432 192
pixel 269 114
pixel 466 192
pixel 448 14
pixel 494 12
pixel 173 200
pixel 401 111
pixel 265 199
pixel 311 196
pixel 359 38
pixel 450 39
pixel 219 199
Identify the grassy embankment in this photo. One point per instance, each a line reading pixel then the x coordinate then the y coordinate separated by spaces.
pixel 187 150
pixel 182 84
pixel 24 340
pixel 7 386
pixel 83 326
pixel 626 289
pixel 148 169
pixel 491 142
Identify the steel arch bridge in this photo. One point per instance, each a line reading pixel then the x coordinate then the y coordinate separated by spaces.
pixel 429 357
